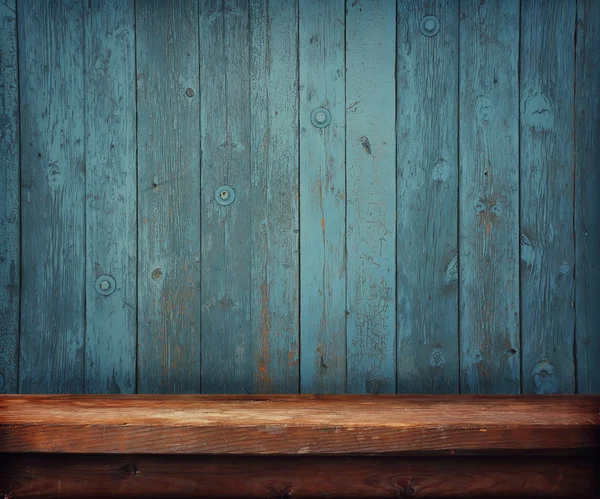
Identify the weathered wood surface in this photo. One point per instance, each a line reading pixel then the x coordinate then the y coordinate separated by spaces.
pixel 228 364
pixel 489 197
pixel 547 175
pixel 587 197
pixel 111 221
pixel 371 196
pixel 52 102
pixel 491 262
pixel 168 123
pixel 300 424
pixel 274 195
pixel 334 476
pixel 10 249
pixel 427 177
pixel 322 198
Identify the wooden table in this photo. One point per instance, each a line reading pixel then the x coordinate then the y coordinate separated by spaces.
pixel 299 446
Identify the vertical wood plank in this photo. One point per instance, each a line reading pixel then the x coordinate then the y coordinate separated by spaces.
pixel 547 164
pixel 322 198
pixel 488 197
pixel 371 195
pixel 51 68
pixel 274 195
pixel 10 256
pixel 587 197
pixel 227 360
pixel 110 352
pixel 168 196
pixel 427 199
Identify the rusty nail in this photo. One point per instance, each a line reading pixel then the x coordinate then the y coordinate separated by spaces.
pixel 189 92
pixel 225 195
pixel 105 285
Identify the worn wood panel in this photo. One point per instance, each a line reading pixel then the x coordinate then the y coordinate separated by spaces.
pixel 547 164
pixel 427 263
pixel 371 196
pixel 10 245
pixel 51 69
pixel 587 197
pixel 228 364
pixel 298 424
pixel 168 196
pixel 307 476
pixel 111 224
pixel 488 197
pixel 274 196
pixel 322 198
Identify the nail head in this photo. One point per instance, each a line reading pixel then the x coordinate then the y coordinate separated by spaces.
pixel 320 117
pixel 105 285
pixel 430 25
pixel 225 195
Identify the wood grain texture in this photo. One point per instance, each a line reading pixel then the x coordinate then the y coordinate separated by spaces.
pixel 10 245
pixel 427 263
pixel 322 198
pixel 371 196
pixel 298 278
pixel 51 68
pixel 587 197
pixel 305 424
pixel 111 224
pixel 274 196
pixel 335 476
pixel 168 197
pixel 489 197
pixel 547 174
pixel 228 364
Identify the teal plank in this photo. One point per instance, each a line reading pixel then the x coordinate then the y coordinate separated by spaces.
pixel 587 197
pixel 488 197
pixel 371 195
pixel 547 166
pixel 51 62
pixel 168 197
pixel 10 256
pixel 322 198
pixel 274 195
pixel 427 199
pixel 228 364
pixel 110 352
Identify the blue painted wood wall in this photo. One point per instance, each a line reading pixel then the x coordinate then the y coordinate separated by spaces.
pixel 440 235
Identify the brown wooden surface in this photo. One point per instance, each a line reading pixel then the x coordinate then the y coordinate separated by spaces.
pixel 292 424
pixel 67 476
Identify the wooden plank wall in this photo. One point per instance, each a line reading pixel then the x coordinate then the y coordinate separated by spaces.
pixel 488 246
pixel 371 196
pixel 168 199
pixel 441 235
pixel 323 267
pixel 111 221
pixel 51 41
pixel 547 138
pixel 10 206
pixel 427 180
pixel 587 199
